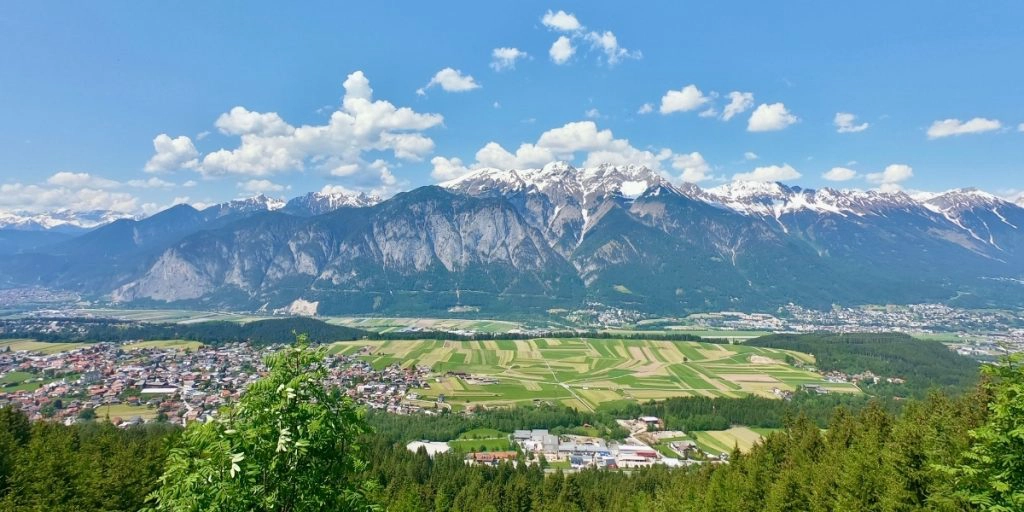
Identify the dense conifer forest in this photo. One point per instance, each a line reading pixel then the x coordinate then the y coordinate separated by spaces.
pixel 941 452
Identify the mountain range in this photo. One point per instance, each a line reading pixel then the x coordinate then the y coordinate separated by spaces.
pixel 526 241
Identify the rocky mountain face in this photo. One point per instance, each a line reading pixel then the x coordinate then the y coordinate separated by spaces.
pixel 527 240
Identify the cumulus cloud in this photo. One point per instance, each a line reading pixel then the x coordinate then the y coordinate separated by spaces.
pixel 450 80
pixel 80 180
pixel 607 43
pixel 172 154
pixel 769 173
pixel 951 127
pixel 561 21
pixel 844 122
pixel 269 145
pixel 152 182
pixel 770 118
pixel 562 50
pixel 889 179
pixel 260 186
pixel 240 121
pixel 447 168
pixel 684 100
pixel 592 113
pixel 47 197
pixel 839 174
pixel 739 102
pixel 562 143
pixel 693 167
pixel 505 58
pixel 646 108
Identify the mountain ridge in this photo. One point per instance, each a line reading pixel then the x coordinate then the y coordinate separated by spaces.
pixel 557 236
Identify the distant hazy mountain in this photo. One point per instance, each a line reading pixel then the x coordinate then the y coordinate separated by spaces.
pixel 527 240
pixel 64 220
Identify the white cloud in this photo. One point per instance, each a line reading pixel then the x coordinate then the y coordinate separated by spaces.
pixel 447 168
pixel 770 118
pixel 646 108
pixel 505 58
pixel 80 180
pixel 269 145
pixel 709 112
pixel 769 173
pixel 48 197
pixel 152 182
pixel 561 20
pixel 260 186
pixel 750 155
pixel 950 127
pixel 450 80
pixel 562 50
pixel 739 102
pixel 592 113
pixel 844 122
pixel 889 180
pixel 202 135
pixel 1020 127
pixel 609 44
pixel 684 100
pixel 189 184
pixel 693 166
pixel 172 154
pixel 562 143
pixel 497 104
pixel 839 174
pixel 240 121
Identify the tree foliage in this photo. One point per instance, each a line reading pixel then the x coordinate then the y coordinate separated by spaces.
pixel 288 445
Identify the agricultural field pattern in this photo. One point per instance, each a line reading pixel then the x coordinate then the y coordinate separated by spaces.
pixel 585 373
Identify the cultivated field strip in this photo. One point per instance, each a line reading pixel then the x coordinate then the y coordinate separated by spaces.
pixel 589 372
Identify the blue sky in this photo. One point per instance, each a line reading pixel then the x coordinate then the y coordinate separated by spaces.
pixel 86 88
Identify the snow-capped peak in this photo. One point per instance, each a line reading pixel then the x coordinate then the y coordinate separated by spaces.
pixel 257 203
pixel 59 220
pixel 560 181
pixel 963 199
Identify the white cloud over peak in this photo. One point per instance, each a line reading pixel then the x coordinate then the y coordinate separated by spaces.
pixel 562 143
pixel 840 174
pixel 80 180
pixel 269 145
pixel 505 58
pixel 693 167
pixel 769 173
pixel 684 100
pixel 172 154
pixel 950 127
pixel 48 197
pixel 240 121
pixel 770 118
pixel 561 21
pixel 450 80
pixel 562 50
pixel 447 168
pixel 261 186
pixel 889 179
pixel 739 102
pixel 844 122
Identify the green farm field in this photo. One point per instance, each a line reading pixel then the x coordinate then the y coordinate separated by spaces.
pixel 392 324
pixel 40 347
pixel 584 372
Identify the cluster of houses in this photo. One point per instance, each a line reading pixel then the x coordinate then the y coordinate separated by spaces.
pixel 574 452
pixel 169 384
